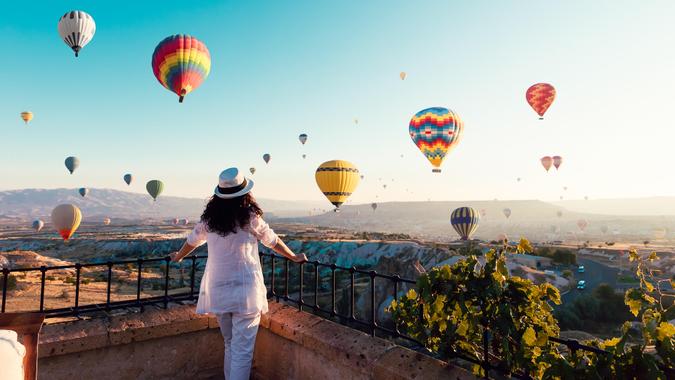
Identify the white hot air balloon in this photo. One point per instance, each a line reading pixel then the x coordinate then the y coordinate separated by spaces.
pixel 38 224
pixel 76 29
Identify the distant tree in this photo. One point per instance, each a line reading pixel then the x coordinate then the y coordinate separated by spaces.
pixel 567 274
pixel 11 282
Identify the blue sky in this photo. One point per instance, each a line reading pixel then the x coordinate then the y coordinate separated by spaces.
pixel 281 68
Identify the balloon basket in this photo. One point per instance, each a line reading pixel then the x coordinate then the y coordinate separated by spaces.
pixel 435 170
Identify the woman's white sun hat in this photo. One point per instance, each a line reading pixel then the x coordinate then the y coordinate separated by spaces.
pixel 232 184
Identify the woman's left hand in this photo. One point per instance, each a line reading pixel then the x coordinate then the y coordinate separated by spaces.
pixel 175 257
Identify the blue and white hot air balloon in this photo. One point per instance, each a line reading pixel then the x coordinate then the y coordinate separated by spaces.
pixel 465 221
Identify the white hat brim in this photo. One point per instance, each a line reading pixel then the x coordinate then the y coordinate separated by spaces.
pixel 245 190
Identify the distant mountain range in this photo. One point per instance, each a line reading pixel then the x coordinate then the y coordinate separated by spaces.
pixel 28 204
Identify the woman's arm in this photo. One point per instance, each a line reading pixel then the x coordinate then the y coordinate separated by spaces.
pixel 282 249
pixel 185 250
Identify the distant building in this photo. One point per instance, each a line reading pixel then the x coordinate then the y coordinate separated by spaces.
pixel 536 262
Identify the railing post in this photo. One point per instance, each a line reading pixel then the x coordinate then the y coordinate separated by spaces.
pixel 397 278
pixel 43 271
pixel 373 312
pixel 78 270
pixel 274 269
pixel 352 296
pixel 486 352
pixel 302 284
pixel 316 286
pixel 286 266
pixel 332 309
pixel 138 283
pixel 109 280
pixel 5 277
pixel 193 271
pixel 166 282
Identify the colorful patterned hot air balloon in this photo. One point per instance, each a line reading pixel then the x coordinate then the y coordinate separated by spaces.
pixel 72 163
pixel 66 219
pixel 267 158
pixel 26 116
pixel 465 221
pixel 252 170
pixel 557 161
pixel 83 191
pixel 507 212
pixel 37 225
pixel 106 221
pixel 402 75
pixel 540 96
pixel 154 188
pixel 337 180
pixel 582 224
pixel 76 28
pixel 435 131
pixel 128 178
pixel 546 162
pixel 181 63
pixel 303 138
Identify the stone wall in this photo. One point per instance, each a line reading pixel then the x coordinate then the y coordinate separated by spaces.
pixel 178 344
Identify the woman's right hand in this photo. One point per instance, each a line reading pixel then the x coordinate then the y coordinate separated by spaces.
pixel 299 258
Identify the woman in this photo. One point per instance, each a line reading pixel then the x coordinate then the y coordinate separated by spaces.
pixel 232 287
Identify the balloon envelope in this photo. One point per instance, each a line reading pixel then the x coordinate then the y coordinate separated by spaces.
pixel 373 206
pixel 181 63
pixel 267 158
pixel 557 161
pixel 507 212
pixel 128 178
pixel 252 170
pixel 66 219
pixel 546 162
pixel 337 179
pixel 465 221
pixel 154 188
pixel 435 131
pixel 72 163
pixel 106 221
pixel 303 138
pixel 38 224
pixel 83 191
pixel 26 116
pixel 582 224
pixel 402 75
pixel 76 29
pixel 540 96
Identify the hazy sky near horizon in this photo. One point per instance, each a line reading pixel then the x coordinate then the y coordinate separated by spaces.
pixel 281 68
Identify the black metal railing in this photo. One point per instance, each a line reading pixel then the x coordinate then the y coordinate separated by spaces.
pixel 326 281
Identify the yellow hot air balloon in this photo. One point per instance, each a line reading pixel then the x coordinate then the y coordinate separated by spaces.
pixel 402 75
pixel 337 180
pixel 26 116
pixel 66 219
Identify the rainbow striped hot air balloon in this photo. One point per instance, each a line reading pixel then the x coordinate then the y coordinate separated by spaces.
pixel 465 221
pixel 435 131
pixel 181 63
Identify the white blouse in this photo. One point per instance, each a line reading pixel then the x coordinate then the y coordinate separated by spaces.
pixel 233 279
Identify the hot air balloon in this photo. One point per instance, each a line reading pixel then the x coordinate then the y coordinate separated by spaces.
pixel 435 131
pixel 540 96
pixel 557 161
pixel 303 138
pixel 72 163
pixel 586 197
pixel 186 221
pixel 582 224
pixel 252 170
pixel 518 179
pixel 181 63
pixel 128 178
pixel 384 186
pixel 304 156
pixel 83 191
pixel 604 229
pixel 26 116
pixel 175 221
pixel 507 212
pixel 361 176
pixel 560 214
pixel 154 188
pixel 565 188
pixel 337 179
pixel 267 158
pixel 402 75
pixel 546 162
pixel 37 225
pixel 106 221
pixel 502 238
pixel 356 121
pixel 66 218
pixel 76 28
pixel 465 221
pixel 373 206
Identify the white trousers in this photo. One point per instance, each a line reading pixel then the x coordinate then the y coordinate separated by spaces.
pixel 239 331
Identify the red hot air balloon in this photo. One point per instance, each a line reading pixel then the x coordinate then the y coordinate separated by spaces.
pixel 540 96
pixel 181 63
pixel 546 162
pixel 557 161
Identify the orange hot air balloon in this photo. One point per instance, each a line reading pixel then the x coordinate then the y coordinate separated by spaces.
pixel 557 161
pixel 540 96
pixel 546 162
pixel 26 116
pixel 66 219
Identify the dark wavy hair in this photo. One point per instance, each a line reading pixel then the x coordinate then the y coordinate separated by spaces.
pixel 225 216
